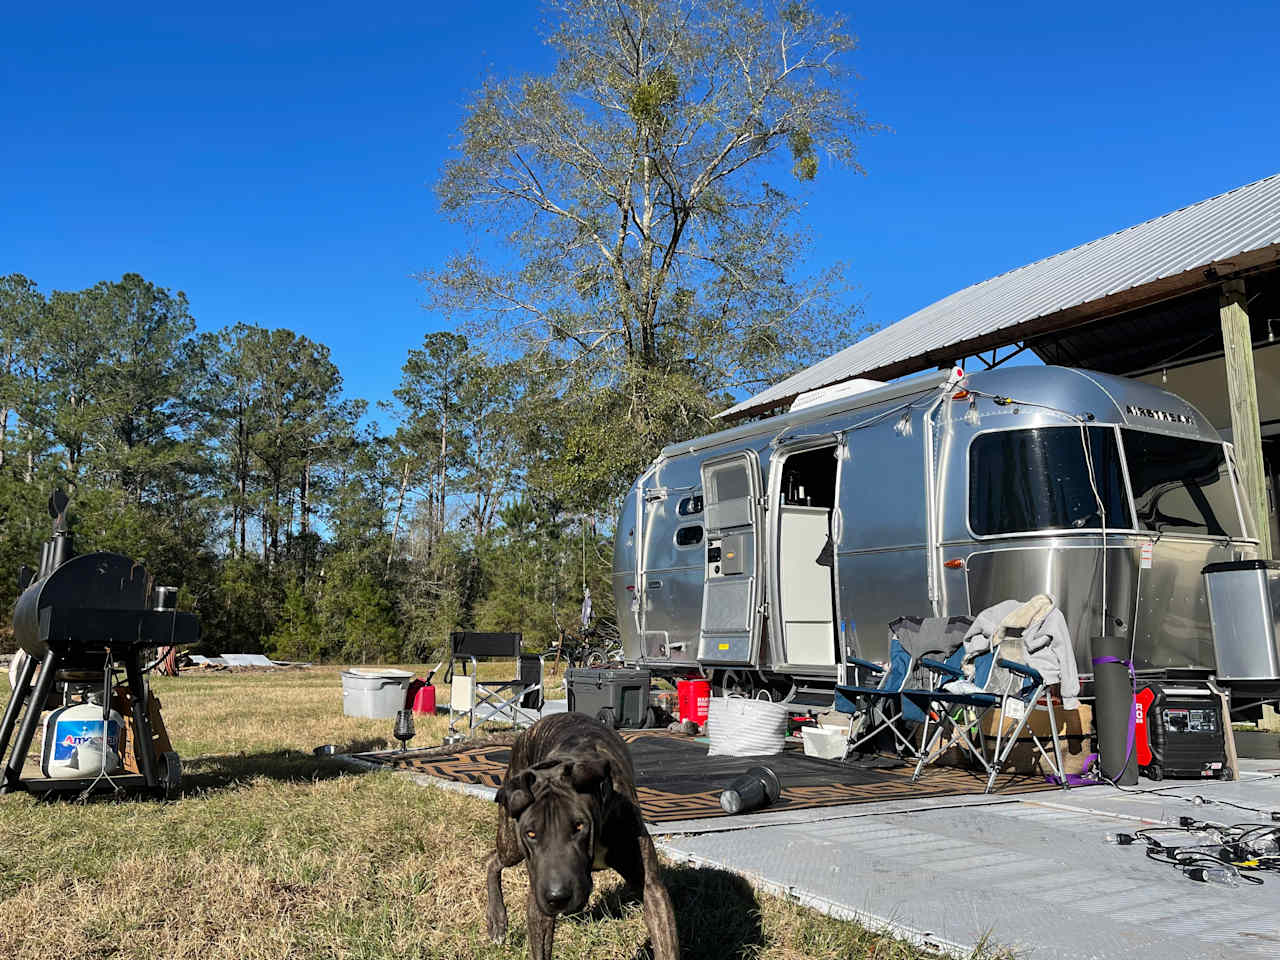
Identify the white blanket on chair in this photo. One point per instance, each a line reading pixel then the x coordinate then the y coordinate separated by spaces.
pixel 1045 642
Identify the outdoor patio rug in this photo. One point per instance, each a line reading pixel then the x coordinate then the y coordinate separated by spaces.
pixel 676 780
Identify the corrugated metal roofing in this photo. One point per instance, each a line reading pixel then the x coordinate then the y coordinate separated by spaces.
pixel 1240 221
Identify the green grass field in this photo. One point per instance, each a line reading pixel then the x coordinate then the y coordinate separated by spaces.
pixel 272 853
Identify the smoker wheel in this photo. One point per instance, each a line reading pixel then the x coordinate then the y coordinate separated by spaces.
pixel 171 775
pixel 1153 772
pixel 605 716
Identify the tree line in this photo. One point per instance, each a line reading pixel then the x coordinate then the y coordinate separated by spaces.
pixel 231 464
pixel 636 256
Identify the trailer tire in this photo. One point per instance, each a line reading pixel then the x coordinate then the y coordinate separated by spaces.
pixel 171 775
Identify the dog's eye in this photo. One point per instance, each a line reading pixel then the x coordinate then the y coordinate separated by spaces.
pixel 578 827
pixel 531 834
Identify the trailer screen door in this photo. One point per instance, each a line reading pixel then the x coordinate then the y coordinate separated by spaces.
pixel 731 597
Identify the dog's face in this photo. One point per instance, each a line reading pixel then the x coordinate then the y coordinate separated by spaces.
pixel 557 807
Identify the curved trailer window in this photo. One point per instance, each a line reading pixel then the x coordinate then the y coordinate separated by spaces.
pixel 1181 486
pixel 1038 479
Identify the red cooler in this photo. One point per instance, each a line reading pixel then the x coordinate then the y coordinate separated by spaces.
pixel 695 699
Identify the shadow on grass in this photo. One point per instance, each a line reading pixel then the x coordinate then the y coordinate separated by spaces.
pixel 717 912
pixel 216 772
pixel 370 745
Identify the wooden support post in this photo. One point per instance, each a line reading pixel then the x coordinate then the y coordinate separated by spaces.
pixel 1242 391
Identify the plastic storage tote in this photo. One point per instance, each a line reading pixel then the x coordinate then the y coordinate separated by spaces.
pixel 379 694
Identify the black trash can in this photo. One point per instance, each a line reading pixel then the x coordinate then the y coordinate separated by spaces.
pixel 617 698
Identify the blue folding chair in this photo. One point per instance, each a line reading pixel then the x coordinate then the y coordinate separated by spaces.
pixel 1017 692
pixel 882 707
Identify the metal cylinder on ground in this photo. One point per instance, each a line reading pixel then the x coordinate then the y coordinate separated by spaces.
pixel 1113 710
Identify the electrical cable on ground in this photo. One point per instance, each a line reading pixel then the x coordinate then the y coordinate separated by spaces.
pixel 1215 853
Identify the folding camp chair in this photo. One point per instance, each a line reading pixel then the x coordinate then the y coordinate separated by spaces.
pixel 518 700
pixel 1017 692
pixel 882 708
pixel 877 709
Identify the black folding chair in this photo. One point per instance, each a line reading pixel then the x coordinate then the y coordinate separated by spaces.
pixel 517 699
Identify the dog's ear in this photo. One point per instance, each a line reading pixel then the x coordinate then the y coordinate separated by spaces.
pixel 591 776
pixel 516 793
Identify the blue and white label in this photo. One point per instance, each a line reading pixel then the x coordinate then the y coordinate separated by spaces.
pixel 69 734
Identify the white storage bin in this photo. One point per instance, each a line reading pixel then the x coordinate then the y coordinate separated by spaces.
pixel 379 694
pixel 825 742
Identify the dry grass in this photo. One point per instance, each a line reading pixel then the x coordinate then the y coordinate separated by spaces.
pixel 272 853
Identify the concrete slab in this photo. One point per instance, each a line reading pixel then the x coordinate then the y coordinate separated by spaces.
pixel 1032 874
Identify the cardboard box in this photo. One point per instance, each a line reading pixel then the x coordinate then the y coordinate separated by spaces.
pixel 1075 736
pixel 1071 723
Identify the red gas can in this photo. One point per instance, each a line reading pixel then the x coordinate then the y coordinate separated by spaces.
pixel 421 696
pixel 695 699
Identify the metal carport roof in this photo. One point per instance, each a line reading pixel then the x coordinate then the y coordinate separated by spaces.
pixel 1176 253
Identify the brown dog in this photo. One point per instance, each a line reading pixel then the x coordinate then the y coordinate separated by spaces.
pixel 568 807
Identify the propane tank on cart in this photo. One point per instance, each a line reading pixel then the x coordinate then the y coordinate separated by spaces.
pixel 75 744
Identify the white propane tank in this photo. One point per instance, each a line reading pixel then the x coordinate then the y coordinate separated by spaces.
pixel 74 745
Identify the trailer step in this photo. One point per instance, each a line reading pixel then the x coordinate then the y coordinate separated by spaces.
pixel 814 699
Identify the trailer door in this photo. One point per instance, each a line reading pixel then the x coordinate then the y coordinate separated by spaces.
pixel 732 601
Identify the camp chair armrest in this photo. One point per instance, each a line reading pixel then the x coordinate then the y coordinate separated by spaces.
pixel 865 664
pixel 1022 669
pixel 939 667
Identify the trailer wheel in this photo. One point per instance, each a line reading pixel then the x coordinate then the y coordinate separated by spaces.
pixel 727 683
pixel 605 715
pixel 171 775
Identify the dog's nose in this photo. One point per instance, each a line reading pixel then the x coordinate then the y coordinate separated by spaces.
pixel 557 896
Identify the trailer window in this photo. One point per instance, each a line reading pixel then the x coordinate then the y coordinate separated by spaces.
pixel 690 506
pixel 1181 486
pixel 1024 480
pixel 688 536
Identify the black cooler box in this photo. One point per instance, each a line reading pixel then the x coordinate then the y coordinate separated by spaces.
pixel 617 698
pixel 1179 732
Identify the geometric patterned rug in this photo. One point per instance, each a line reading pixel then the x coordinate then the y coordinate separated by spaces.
pixel 676 780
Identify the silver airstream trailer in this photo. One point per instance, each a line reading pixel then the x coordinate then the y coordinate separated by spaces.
pixel 759 555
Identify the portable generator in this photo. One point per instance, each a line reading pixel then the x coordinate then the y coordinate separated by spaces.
pixel 1178 732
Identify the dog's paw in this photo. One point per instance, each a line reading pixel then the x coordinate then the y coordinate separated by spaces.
pixel 497 929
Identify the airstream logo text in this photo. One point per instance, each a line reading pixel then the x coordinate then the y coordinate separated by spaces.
pixel 1163 415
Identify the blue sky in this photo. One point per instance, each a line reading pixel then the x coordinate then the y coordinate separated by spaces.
pixel 276 165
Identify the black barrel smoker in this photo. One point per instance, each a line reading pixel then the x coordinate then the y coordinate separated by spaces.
pixel 79 618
